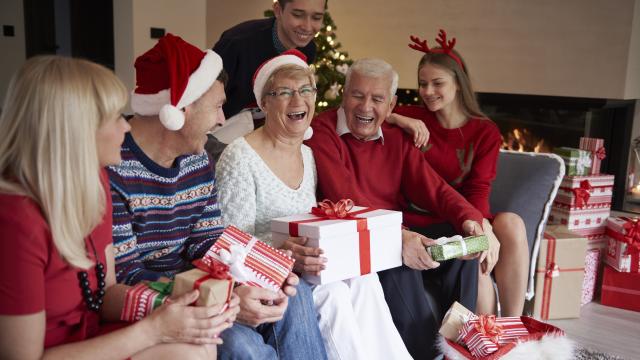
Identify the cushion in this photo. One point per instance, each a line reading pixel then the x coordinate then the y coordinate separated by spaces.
pixel 526 184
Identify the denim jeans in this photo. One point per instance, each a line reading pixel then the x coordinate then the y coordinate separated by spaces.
pixel 296 336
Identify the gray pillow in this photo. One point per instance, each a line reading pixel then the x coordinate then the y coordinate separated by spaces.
pixel 526 184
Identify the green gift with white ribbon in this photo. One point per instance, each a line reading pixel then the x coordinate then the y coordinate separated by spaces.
pixel 577 161
pixel 456 246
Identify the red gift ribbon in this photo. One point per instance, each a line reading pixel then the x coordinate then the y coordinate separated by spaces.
pixel 214 270
pixel 601 153
pixel 583 193
pixel 487 326
pixel 548 280
pixel 632 238
pixel 328 210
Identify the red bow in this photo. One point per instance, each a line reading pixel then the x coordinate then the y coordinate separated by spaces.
pixel 632 236
pixel 601 153
pixel 487 325
pixel 552 270
pixel 214 269
pixel 583 193
pixel 328 209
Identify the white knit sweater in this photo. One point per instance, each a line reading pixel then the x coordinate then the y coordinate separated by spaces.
pixel 250 194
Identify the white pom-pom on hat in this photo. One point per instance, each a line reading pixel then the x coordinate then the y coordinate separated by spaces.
pixel 171 117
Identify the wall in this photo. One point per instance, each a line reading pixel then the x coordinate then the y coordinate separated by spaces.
pixel 544 47
pixel 13 48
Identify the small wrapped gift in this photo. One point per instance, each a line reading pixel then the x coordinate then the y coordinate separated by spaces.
pixel 251 261
pixel 591 265
pixel 213 281
pixel 485 334
pixel 596 147
pixel 623 251
pixel 454 319
pixel 140 300
pixel 576 161
pixel 355 240
pixel 457 246
pixel 621 290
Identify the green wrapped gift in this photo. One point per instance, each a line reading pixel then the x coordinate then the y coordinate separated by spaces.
pixel 577 161
pixel 457 246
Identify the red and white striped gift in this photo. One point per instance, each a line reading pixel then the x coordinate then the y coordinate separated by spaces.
pixel 579 191
pixel 623 251
pixel 251 261
pixel 589 216
pixel 598 153
pixel 485 334
pixel 596 238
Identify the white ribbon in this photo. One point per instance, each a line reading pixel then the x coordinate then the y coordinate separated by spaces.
pixel 583 162
pixel 445 240
pixel 235 259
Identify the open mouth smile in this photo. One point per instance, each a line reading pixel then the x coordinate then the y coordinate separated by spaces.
pixel 297 115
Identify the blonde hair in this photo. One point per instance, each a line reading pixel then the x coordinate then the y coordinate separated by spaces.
pixel 52 110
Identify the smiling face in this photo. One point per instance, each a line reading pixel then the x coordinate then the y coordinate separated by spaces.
pixel 203 116
pixel 437 87
pixel 298 21
pixel 289 102
pixel 367 102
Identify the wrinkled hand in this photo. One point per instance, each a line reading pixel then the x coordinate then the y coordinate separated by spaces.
pixel 177 322
pixel 259 306
pixel 472 228
pixel 489 258
pixel 414 254
pixel 289 287
pixel 411 126
pixel 308 259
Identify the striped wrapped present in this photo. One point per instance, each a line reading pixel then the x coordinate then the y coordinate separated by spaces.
pixel 596 147
pixel 579 191
pixel 584 217
pixel 251 261
pixel 485 334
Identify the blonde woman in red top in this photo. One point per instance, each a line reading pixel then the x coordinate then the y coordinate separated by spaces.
pixel 61 125
pixel 462 146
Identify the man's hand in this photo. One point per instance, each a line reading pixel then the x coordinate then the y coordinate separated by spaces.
pixel 489 258
pixel 308 259
pixel 290 284
pixel 414 254
pixel 259 306
pixel 411 126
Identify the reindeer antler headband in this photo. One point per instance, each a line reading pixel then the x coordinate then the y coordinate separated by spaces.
pixel 446 46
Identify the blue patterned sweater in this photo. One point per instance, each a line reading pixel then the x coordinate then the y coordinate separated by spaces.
pixel 163 218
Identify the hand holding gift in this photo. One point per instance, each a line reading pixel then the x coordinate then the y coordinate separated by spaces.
pixel 457 246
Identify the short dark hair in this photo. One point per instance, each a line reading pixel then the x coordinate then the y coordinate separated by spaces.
pixel 285 2
pixel 223 77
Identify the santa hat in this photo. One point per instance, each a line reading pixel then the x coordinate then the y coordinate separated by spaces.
pixel 170 76
pixel 293 57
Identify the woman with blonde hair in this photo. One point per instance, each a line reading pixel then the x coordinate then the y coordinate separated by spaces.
pixel 61 125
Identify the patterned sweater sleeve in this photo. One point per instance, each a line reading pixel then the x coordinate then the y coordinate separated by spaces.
pixel 208 228
pixel 129 266
pixel 237 188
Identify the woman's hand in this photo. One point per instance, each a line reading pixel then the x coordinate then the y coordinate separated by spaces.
pixel 177 322
pixel 414 253
pixel 259 306
pixel 411 126
pixel 489 258
pixel 308 259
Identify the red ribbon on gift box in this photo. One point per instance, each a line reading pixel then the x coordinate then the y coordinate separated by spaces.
pixel 488 327
pixel 328 210
pixel 214 270
pixel 631 237
pixel 601 153
pixel 583 193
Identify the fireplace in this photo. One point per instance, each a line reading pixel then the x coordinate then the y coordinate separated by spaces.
pixel 540 123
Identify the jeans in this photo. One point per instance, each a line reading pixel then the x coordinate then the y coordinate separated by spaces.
pixel 296 336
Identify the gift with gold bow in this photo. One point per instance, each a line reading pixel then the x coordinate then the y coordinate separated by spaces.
pixel 355 240
pixel 623 236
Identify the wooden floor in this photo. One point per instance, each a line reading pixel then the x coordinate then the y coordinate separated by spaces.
pixel 606 329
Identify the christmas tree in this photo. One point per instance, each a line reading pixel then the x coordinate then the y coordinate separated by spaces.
pixel 330 66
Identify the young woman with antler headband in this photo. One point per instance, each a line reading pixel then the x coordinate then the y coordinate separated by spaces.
pixel 462 145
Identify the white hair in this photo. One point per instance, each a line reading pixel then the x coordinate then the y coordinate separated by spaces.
pixel 374 68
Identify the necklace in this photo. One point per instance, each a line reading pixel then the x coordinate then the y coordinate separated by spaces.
pixel 93 299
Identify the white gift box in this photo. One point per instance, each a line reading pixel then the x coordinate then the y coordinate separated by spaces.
pixel 353 247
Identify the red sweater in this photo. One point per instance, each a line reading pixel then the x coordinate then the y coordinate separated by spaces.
pixel 387 173
pixel 465 157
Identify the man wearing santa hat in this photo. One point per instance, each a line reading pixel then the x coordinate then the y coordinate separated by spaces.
pixel 165 200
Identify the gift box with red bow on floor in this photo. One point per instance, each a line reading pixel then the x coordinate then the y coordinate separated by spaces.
pixel 355 240
pixel 623 252
pixel 559 274
pixel 621 290
pixel 251 261
pixel 596 147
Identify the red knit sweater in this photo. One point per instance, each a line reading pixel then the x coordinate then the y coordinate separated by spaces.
pixel 465 157
pixel 387 174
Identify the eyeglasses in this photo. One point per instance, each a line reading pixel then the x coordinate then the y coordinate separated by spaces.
pixel 284 93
